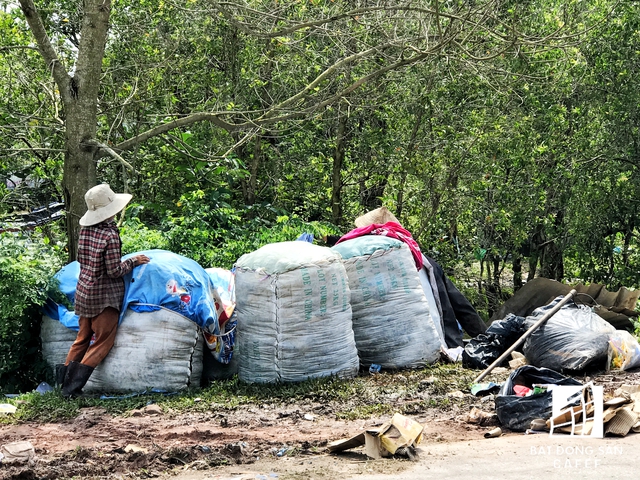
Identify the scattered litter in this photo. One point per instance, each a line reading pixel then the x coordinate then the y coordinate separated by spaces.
pixel 482 389
pixel 522 391
pixel 456 394
pixel 480 417
pixel 309 417
pixel 539 424
pixel 624 351
pixel 480 352
pixel 516 413
pixel 571 340
pixel 43 388
pixel 17 452
pixel 495 433
pixel 135 448
pixel 236 448
pixel 282 451
pixel 374 368
pixel 453 355
pixel 622 423
pixel 518 360
pixel 7 408
pixel 396 437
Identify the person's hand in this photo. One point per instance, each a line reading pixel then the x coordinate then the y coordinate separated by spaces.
pixel 140 260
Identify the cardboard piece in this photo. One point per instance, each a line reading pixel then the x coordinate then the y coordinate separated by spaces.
pixel 398 436
pixel 621 415
pixel 517 360
pixel 622 422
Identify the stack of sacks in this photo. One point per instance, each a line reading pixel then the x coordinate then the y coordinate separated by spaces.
pixel 294 315
pixel 391 321
pixel 168 303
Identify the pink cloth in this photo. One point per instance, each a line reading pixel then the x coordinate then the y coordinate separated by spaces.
pixel 389 229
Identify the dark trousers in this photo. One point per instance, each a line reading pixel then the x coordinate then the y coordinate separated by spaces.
pixel 104 327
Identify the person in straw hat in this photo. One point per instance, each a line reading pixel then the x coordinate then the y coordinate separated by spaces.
pixel 100 289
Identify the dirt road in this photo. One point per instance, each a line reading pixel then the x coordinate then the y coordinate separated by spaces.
pixel 513 457
pixel 288 441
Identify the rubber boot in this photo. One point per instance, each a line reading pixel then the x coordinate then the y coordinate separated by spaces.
pixel 77 376
pixel 61 372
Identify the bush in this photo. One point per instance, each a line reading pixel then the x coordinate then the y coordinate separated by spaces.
pixel 137 237
pixel 215 234
pixel 27 265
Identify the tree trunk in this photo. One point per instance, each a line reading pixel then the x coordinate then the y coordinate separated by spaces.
pixel 336 175
pixel 411 147
pixel 517 273
pixel 79 175
pixel 551 261
pixel 79 94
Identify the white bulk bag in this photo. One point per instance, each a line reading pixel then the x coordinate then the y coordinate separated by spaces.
pixel 160 350
pixel 294 316
pixel 392 324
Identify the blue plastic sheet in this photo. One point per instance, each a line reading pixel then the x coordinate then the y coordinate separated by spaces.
pixel 168 281
pixel 305 237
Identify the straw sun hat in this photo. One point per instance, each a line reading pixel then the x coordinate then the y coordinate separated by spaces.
pixel 102 203
pixel 378 216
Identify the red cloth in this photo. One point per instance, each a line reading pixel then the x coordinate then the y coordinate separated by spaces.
pixel 389 229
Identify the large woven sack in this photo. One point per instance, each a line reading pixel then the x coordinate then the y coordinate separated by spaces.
pixel 392 324
pixel 156 350
pixel 294 316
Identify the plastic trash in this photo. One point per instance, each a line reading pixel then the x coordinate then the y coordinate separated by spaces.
pixel 483 350
pixel 482 389
pixel 516 413
pixel 7 408
pixel 374 368
pixel 571 340
pixel 43 388
pixel 623 352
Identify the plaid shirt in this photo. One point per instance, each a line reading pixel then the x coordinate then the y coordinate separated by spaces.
pixel 100 284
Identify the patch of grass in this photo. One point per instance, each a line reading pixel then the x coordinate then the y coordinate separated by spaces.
pixel 364 411
pixel 360 397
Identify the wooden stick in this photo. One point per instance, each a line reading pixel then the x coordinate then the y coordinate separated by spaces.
pixel 524 336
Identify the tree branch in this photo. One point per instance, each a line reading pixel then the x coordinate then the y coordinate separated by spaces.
pixel 17 47
pixel 110 151
pixel 177 123
pixel 46 49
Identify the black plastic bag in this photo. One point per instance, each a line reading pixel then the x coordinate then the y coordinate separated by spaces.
pixel 573 339
pixel 516 413
pixel 483 350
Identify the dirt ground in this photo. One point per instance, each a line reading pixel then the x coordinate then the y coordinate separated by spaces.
pixel 250 442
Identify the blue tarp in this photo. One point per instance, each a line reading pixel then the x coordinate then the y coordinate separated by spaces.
pixel 168 281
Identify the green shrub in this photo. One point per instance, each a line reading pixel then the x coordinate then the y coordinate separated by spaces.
pixel 136 237
pixel 27 264
pixel 214 234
